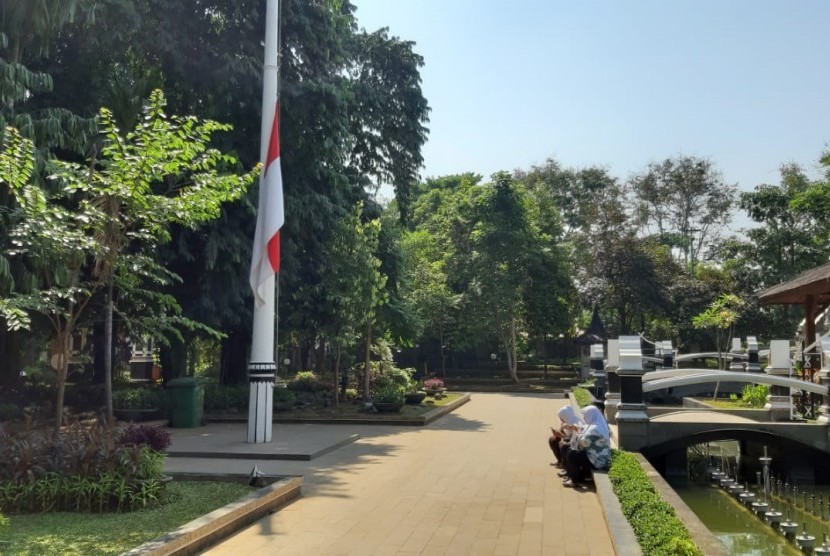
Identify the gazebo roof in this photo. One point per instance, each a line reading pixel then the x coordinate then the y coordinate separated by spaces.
pixel 815 282
pixel 596 333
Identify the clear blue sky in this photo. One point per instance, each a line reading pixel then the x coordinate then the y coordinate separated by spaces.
pixel 744 83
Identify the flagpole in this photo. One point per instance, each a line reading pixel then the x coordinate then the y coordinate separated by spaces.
pixel 262 367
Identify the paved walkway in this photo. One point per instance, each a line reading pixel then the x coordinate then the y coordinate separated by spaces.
pixel 475 482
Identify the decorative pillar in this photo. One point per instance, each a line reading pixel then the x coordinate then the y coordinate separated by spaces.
pixel 598 371
pixel 668 355
pixel 753 363
pixel 735 363
pixel 779 400
pixel 824 380
pixel 612 395
pixel 261 378
pixel 632 421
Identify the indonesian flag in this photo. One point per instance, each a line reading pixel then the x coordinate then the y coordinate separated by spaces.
pixel 270 217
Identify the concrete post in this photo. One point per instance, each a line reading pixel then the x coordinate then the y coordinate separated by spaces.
pixel 612 396
pixel 736 364
pixel 753 363
pixel 598 371
pixel 668 355
pixel 779 400
pixel 824 379
pixel 632 421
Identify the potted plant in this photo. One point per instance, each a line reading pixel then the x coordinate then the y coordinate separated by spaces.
pixel 388 399
pixel 433 386
pixel 136 404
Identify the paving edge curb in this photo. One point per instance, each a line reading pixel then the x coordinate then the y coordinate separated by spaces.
pixel 424 419
pixel 207 530
pixel 622 534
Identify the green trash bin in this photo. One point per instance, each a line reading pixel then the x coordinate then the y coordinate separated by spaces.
pixel 187 401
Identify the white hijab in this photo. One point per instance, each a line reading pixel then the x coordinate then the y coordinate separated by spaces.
pixel 568 415
pixel 595 422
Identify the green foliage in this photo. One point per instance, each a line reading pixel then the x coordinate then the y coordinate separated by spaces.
pixel 283 398
pixel 136 398
pixel 80 534
pixel 657 527
pixel 307 381
pixel 395 377
pixel 77 469
pixel 582 396
pixel 225 397
pixel 753 395
pixel 390 393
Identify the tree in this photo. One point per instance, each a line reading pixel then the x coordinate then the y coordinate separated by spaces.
pixel 687 202
pixel 124 203
pixel 718 320
pixel 352 286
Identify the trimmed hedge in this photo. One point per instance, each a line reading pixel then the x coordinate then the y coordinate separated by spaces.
pixel 583 397
pixel 658 529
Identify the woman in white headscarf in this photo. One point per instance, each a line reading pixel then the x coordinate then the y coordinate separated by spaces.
pixel 590 447
pixel 570 423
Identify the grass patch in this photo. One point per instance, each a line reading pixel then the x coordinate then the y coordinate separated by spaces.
pixel 349 410
pixel 70 534
pixel 723 403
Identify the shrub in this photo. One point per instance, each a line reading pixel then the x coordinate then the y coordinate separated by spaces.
pixel 284 397
pixel 582 396
pixel 433 384
pixel 4 522
pixel 390 393
pixel 136 398
pixel 9 411
pixel 224 397
pixel 155 438
pixel 77 469
pixel 657 527
pixel 754 395
pixel 307 381
pixel 393 376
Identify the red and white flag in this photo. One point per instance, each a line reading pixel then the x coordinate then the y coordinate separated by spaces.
pixel 270 217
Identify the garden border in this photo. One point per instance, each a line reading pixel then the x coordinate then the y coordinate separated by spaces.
pixel 419 421
pixel 219 524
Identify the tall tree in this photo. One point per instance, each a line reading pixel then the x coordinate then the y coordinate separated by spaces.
pixel 122 206
pixel 686 201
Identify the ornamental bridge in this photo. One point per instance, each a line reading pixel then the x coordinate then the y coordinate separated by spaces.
pixel 800 446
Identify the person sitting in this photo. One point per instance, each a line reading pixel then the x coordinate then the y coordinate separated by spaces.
pixel 590 448
pixel 559 438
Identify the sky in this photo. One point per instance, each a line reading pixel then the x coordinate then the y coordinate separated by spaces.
pixel 620 84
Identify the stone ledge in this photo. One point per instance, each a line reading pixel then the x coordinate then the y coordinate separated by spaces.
pixel 622 534
pixel 207 530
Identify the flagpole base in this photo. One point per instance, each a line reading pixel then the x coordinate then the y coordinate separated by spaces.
pixel 261 378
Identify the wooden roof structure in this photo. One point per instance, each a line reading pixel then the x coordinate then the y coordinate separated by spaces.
pixel 810 289
pixel 814 282
pixel 596 333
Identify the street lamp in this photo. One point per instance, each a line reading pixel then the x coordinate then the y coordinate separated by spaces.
pixel 561 349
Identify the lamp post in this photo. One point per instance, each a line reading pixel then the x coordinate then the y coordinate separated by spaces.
pixel 562 350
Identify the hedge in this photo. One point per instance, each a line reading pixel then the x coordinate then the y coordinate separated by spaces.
pixel 658 529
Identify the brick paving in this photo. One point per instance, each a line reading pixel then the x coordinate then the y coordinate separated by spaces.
pixel 475 482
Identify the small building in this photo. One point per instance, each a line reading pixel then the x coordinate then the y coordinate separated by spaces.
pixel 594 334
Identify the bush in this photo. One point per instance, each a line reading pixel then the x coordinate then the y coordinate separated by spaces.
pixel 155 438
pixel 284 397
pixel 307 381
pixel 753 395
pixel 393 376
pixel 78 469
pixel 657 527
pixel 136 398
pixel 582 396
pixel 433 384
pixel 9 411
pixel 390 393
pixel 222 397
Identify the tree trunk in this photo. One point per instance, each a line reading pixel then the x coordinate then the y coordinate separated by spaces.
pixel 443 357
pixel 337 377
pixel 61 349
pixel 512 355
pixel 367 362
pixel 108 353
